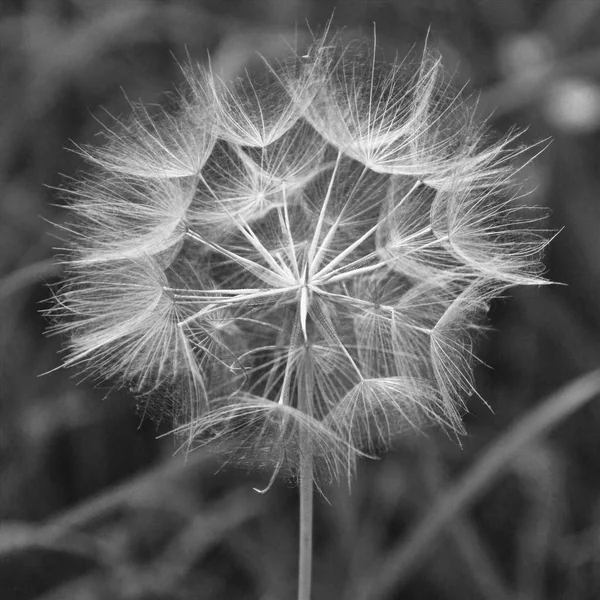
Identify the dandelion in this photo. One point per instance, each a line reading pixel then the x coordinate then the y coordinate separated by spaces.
pixel 296 264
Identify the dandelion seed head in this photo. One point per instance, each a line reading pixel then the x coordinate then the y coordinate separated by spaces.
pixel 294 265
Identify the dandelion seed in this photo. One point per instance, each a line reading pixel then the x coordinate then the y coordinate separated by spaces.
pixel 161 146
pixel 377 409
pixel 120 314
pixel 489 232
pixel 119 219
pixel 250 111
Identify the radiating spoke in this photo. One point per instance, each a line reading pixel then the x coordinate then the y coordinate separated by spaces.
pixel 321 219
pixel 241 299
pixel 347 251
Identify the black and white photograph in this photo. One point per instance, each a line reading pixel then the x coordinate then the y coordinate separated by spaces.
pixel 300 300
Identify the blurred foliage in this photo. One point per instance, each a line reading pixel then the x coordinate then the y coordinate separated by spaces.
pixel 79 520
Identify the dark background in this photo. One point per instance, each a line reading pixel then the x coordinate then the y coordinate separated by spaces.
pixel 92 503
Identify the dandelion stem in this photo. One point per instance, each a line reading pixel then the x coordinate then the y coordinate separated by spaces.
pixel 306 528
pixel 306 473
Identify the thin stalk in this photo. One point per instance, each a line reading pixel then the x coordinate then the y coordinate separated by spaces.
pixel 306 529
pixel 305 403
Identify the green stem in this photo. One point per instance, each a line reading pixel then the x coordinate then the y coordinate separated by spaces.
pixel 306 529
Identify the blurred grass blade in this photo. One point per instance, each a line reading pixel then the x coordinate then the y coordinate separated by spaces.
pixel 28 275
pixel 406 556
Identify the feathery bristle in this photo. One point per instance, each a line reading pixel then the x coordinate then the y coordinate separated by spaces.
pixel 297 262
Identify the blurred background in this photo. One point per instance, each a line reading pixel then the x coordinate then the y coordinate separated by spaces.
pixel 94 505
